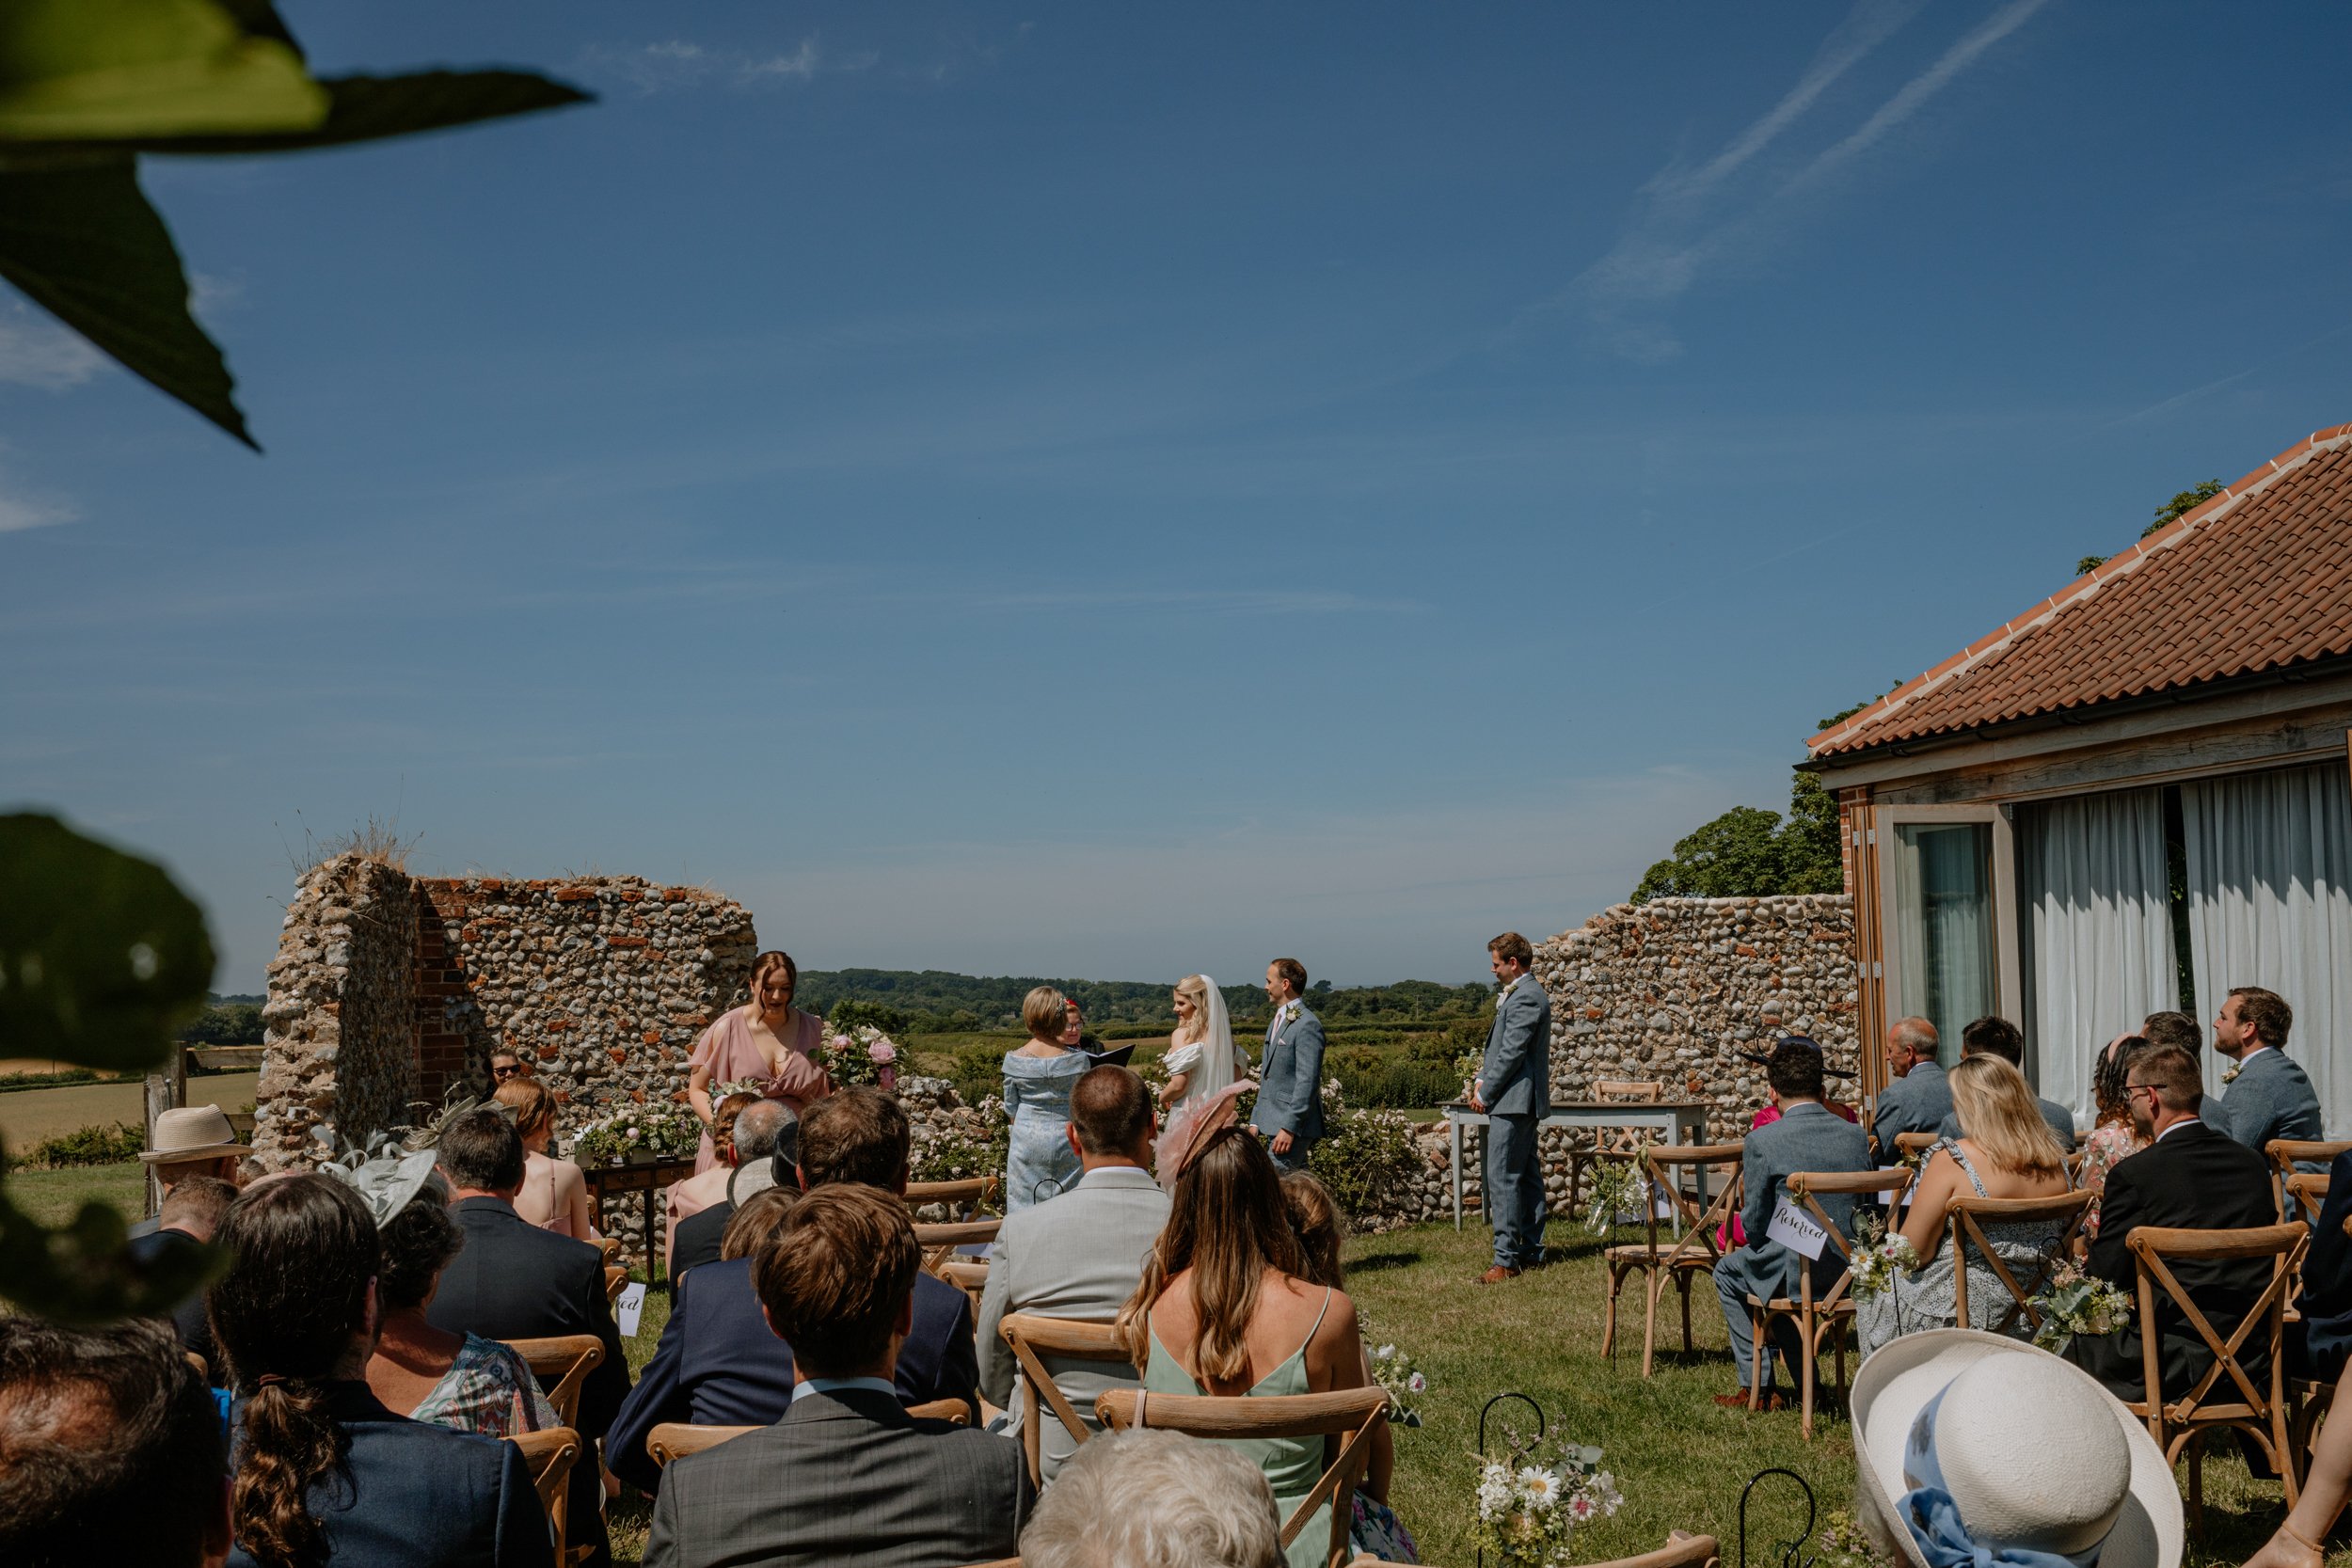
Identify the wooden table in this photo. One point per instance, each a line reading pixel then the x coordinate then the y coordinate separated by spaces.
pixel 1682 1121
pixel 608 1180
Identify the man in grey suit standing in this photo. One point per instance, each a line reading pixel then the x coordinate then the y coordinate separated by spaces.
pixel 1290 1081
pixel 1809 1136
pixel 2270 1095
pixel 1079 1257
pixel 1514 1089
pixel 1916 1099
pixel 847 1476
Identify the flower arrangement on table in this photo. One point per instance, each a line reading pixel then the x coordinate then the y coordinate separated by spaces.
pixel 1393 1369
pixel 1468 1065
pixel 756 1088
pixel 860 1054
pixel 1618 1190
pixel 663 1129
pixel 1529 1510
pixel 2077 1303
pixel 1878 1252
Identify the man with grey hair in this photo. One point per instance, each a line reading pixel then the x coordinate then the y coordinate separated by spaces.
pixel 1144 1500
pixel 762 1129
pixel 1916 1099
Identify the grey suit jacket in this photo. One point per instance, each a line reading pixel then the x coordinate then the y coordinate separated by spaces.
pixel 1809 1138
pixel 1516 1080
pixel 845 1477
pixel 1290 1081
pixel 1916 1102
pixel 2271 1099
pixel 1077 1256
pixel 2062 1121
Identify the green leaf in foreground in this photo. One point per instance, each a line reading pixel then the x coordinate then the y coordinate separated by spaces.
pixel 78 70
pixel 101 957
pixel 82 243
pixel 86 1273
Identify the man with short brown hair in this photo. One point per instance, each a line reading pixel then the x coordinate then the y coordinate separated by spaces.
pixel 2268 1094
pixel 191 1213
pixel 190 1141
pixel 2173 1028
pixel 846 1475
pixel 1513 1091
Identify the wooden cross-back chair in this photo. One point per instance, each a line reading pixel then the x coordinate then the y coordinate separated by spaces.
pixel 968 1274
pixel 1967 1219
pixel 1033 1336
pixel 610 1247
pixel 549 1456
pixel 2306 1196
pixel 971 1195
pixel 562 1363
pixel 939 1242
pixel 1613 1143
pixel 671 1441
pixel 1909 1144
pixel 1678 1258
pixel 2285 1154
pixel 2256 1407
pixel 1820 1319
pixel 1351 1413
pixel 615 1281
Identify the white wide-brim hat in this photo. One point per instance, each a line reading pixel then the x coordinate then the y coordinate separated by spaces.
pixel 193 1132
pixel 1902 1376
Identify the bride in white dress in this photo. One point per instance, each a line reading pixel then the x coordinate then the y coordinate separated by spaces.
pixel 1203 1060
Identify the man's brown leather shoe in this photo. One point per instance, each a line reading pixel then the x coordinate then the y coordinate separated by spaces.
pixel 1497 1274
pixel 1770 1399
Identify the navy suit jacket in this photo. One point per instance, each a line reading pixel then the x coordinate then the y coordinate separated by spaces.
pixel 513 1280
pixel 414 1496
pixel 2326 1305
pixel 718 1364
pixel 699 1237
pixel 188 1321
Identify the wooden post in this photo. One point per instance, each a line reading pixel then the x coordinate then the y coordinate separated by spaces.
pixel 165 1091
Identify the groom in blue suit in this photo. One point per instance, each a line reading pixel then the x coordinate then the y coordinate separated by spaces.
pixel 1290 1081
pixel 1514 1089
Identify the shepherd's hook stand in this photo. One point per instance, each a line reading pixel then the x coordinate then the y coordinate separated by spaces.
pixel 1786 1552
pixel 1518 1449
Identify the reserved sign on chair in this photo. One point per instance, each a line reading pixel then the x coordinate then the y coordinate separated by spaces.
pixel 1794 1230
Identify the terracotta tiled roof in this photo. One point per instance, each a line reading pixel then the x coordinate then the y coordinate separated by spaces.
pixel 2257 578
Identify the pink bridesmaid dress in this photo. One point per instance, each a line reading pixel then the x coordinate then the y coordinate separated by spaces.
pixel 728 1050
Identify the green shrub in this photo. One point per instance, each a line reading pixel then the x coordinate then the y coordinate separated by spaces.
pixel 100 1143
pixel 979 1072
pixel 1361 1155
pixel 848 1013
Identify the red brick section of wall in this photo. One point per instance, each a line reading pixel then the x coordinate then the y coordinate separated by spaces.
pixel 441 995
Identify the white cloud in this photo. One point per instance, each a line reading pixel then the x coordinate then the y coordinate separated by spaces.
pixel 679 64
pixel 35 350
pixel 19 513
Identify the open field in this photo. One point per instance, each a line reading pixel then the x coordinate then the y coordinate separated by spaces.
pixel 29 1116
pixel 55 1196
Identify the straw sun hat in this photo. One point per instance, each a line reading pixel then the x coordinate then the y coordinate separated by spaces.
pixel 1966 1441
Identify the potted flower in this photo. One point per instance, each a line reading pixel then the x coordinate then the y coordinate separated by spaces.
pixel 1528 1510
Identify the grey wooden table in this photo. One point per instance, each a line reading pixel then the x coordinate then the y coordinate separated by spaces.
pixel 1682 1122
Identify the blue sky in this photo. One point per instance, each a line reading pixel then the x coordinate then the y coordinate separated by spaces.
pixel 1081 491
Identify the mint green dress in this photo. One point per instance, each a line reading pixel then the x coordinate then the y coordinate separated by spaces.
pixel 1292 1464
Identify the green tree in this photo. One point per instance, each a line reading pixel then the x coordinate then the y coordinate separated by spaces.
pixel 2186 501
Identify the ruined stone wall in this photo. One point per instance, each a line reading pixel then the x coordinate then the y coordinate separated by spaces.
pixel 340 1053
pixel 1674 991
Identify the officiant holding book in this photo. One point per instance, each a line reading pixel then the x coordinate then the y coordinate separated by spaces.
pixel 1514 1089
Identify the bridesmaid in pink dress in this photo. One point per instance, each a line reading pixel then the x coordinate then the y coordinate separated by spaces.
pixel 767 1039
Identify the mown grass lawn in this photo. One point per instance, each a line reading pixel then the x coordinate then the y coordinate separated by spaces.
pixel 55 1196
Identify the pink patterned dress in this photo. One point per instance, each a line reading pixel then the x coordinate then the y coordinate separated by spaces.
pixel 729 1049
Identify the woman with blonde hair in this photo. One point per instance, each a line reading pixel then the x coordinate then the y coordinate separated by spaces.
pixel 767 1040
pixel 2005 1150
pixel 1040 1162
pixel 1201 1055
pixel 555 1192
pixel 704 1188
pixel 1227 1305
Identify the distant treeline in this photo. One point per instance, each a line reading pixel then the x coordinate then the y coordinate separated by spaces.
pixel 936 1002
pixel 226 1021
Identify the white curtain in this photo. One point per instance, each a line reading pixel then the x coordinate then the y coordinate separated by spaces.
pixel 1944 920
pixel 2099 936
pixel 2270 904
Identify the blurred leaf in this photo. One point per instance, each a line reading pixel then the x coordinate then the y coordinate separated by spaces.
pixel 86 1273
pixel 80 70
pixel 260 19
pixel 101 957
pixel 82 241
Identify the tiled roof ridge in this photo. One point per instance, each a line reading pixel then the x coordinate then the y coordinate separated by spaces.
pixel 2116 566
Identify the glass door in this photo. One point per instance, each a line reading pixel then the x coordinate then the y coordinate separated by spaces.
pixel 1948 941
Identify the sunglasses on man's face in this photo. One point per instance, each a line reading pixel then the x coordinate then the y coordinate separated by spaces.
pixel 508 1070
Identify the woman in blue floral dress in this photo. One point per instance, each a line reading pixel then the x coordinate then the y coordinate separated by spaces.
pixel 1038 1077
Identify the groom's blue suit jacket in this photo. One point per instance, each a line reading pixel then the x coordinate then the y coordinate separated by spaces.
pixel 1516 1080
pixel 1290 1083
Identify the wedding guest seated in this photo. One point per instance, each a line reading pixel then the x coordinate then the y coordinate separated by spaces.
pixel 718 1362
pixel 2006 1151
pixel 2300 1540
pixel 1805 1138
pixel 2173 1028
pixel 1226 1306
pixel 2321 1344
pixel 1374 1528
pixel 1080 1256
pixel 2192 1176
pixel 323 1472
pixel 513 1280
pixel 1916 1099
pixel 765 1137
pixel 2268 1094
pixel 845 1474
pixel 111 1449
pixel 191 1213
pixel 1147 1500
pixel 190 1141
pixel 2115 1138
pixel 555 1191
pixel 1736 1233
pixel 507 1064
pixel 1998 1037
pixel 704 1188
pixel 430 1374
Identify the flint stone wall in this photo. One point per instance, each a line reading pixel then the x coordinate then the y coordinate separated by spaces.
pixel 343 991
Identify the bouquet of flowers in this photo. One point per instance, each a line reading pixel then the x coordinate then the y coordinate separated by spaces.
pixel 861 1054
pixel 1618 1192
pixel 661 1127
pixel 1393 1369
pixel 1877 1253
pixel 1470 1063
pixel 741 1086
pixel 1528 1510
pixel 2075 1303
